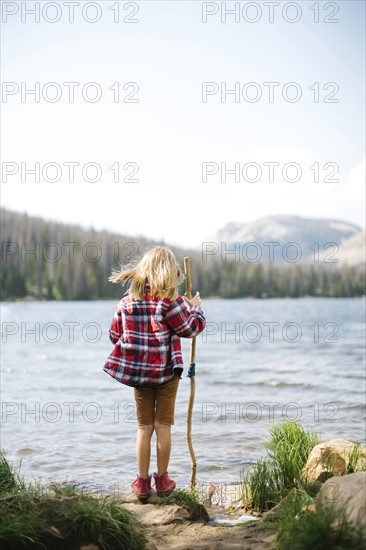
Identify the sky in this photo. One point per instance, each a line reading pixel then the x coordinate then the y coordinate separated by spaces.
pixel 151 83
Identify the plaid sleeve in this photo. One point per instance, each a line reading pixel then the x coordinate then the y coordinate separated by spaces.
pixel 116 329
pixel 185 322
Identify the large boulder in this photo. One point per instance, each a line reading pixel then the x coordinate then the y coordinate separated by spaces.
pixel 331 458
pixel 347 492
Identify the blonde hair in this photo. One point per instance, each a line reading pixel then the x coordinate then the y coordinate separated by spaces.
pixel 159 268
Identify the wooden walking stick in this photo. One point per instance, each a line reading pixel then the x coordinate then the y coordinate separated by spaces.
pixel 191 375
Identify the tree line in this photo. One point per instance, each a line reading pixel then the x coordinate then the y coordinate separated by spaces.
pixel 48 260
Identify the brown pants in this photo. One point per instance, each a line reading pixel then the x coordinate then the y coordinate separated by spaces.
pixel 156 403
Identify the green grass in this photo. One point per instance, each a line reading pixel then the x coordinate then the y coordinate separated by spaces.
pixel 190 501
pixel 31 522
pixel 22 522
pixel 274 476
pixel 289 448
pixel 301 522
pixel 357 460
pixel 107 524
pixel 32 519
pixel 291 508
pixel 10 481
pixel 326 528
pixel 261 487
pixel 63 490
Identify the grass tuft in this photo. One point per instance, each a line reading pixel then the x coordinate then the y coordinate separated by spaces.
pixel 22 521
pixel 63 490
pixel 324 527
pixel 357 460
pixel 10 481
pixel 273 477
pixel 62 519
pixel 107 524
pixel 302 523
pixel 261 488
pixel 190 501
pixel 289 448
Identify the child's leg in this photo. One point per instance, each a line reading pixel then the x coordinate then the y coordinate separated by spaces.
pixel 163 446
pixel 145 403
pixel 164 418
pixel 143 443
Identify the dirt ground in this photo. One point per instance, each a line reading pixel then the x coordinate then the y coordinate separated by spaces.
pixel 197 536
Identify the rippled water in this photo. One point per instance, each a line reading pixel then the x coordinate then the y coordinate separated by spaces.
pixel 68 420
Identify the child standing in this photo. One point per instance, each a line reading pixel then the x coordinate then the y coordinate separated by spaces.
pixel 147 355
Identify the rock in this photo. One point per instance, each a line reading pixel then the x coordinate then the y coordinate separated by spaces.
pixel 271 539
pixel 228 495
pixel 149 514
pixel 54 531
pixel 330 459
pixel 89 547
pixel 152 499
pixel 150 545
pixel 348 491
pixel 276 512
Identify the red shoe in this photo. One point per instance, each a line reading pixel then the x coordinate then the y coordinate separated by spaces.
pixel 142 487
pixel 164 485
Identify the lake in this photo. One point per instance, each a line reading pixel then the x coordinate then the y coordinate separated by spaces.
pixel 258 362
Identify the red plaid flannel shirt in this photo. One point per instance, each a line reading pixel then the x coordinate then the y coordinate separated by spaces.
pixel 146 335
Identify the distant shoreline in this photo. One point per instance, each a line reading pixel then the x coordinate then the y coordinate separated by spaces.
pixel 208 298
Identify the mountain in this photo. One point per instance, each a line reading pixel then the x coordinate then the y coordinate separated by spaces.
pixel 47 260
pixel 292 239
pixel 352 251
